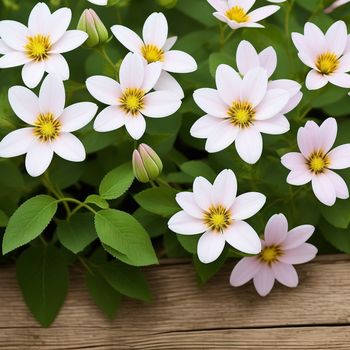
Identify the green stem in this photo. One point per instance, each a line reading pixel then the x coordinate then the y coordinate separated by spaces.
pixel 78 202
pixel 160 181
pixel 153 184
pixel 83 262
pixel 102 51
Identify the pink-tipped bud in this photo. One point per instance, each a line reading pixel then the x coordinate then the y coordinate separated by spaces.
pixel 91 24
pixel 146 163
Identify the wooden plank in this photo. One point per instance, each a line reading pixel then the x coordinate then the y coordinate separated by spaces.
pixel 184 315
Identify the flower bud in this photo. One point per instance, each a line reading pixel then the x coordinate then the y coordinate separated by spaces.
pixel 91 24
pixel 146 163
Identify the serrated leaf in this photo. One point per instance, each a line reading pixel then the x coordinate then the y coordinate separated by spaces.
pixel 42 274
pixel 127 280
pixel 122 232
pixel 28 221
pixel 105 296
pixel 77 233
pixel 117 182
pixel 97 200
pixel 159 200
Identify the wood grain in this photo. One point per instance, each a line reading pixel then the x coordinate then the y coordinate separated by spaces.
pixel 184 315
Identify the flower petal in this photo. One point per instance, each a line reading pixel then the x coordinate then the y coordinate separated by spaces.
pixel 13 59
pixel 57 64
pixel 159 104
pixel 204 126
pixel 246 57
pixel 32 73
pixel 340 187
pixel 299 177
pixel 276 230
pixel 111 118
pixel 152 74
pixel 336 37
pixel 155 29
pixel 297 236
pixel 340 157
pixel 104 89
pixel 315 80
pixel 324 189
pixel 69 41
pixel 187 202
pixel 246 205
pixel 224 188
pixel 273 102
pixel 14 34
pixel 127 37
pixel 59 23
pixel 16 142
pixel 228 83
pixel 340 79
pixel 264 280
pixel 268 60
pixel 299 255
pixel 185 224
pixel 167 82
pixel 263 12
pixel 169 43
pixel 38 159
pixel 77 116
pixel 132 71
pixel 254 86
pixel 210 102
pixel 135 125
pixel 40 19
pixel 222 135
pixel 210 246
pixel 24 103
pixel 4 48
pixel 52 96
pixel 274 126
pixel 69 147
pixel 244 271
pixel 176 61
pixel 294 161
pixel 242 236
pixel 202 190
pixel 327 134
pixel 285 274
pixel 249 144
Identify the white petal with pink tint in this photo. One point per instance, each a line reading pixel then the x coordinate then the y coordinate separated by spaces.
pixel 297 236
pixel 210 246
pixel 225 189
pixel 246 205
pixel 276 230
pixel 264 281
pixel 249 145
pixel 285 274
pixel 340 157
pixel 244 271
pixel 187 202
pixel 299 255
pixel 185 224
pixel 210 102
pixel 324 189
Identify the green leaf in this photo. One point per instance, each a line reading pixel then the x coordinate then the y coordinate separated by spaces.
pixel 42 274
pixel 127 280
pixel 338 215
pixel 337 237
pixel 77 233
pixel 3 219
pixel 189 242
pixel 105 296
pixel 118 255
pixel 206 271
pixel 217 58
pixel 117 182
pixel 97 200
pixel 122 232
pixel 28 221
pixel 159 200
pixel 172 247
pixel 154 224
pixel 196 168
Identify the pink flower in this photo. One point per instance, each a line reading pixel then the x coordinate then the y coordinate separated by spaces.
pixel 315 161
pixel 335 4
pixel 281 249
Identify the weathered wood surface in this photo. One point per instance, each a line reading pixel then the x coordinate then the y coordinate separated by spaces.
pixel 183 315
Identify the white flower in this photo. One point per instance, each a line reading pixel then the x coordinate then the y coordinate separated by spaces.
pixel 99 2
pixel 316 161
pixel 236 12
pixel 129 101
pixel 50 126
pixel 39 46
pixel 239 111
pixel 155 47
pixel 216 211
pixel 247 58
pixel 325 53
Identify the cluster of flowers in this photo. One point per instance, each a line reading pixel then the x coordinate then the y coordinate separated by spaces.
pixel 245 104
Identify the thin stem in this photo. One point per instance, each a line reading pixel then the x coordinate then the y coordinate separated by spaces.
pixel 161 181
pixel 78 202
pixel 153 184
pixel 43 240
pixel 74 211
pixel 83 262
pixel 102 51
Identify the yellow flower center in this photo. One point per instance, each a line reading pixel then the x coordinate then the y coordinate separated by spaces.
pixel 241 114
pixel 132 100
pixel 152 53
pixel 238 14
pixel 46 127
pixel 38 47
pixel 270 254
pixel 217 218
pixel 318 162
pixel 327 63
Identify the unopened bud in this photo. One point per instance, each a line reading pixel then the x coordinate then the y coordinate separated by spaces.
pixel 146 163
pixel 91 24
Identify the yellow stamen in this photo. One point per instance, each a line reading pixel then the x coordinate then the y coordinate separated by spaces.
pixel 38 47
pixel 217 218
pixel 152 53
pixel 132 100
pixel 270 254
pixel 327 63
pixel 237 14
pixel 241 114
pixel 318 162
pixel 46 127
